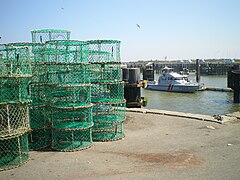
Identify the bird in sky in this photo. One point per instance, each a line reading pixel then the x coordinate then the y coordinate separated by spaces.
pixel 138 26
pixel 62 8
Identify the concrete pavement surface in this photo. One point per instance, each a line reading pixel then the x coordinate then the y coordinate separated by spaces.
pixel 155 147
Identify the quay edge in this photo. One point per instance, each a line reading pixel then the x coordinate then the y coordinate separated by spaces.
pixel 220 119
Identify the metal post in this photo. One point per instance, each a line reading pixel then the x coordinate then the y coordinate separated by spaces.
pixel 236 91
pixel 236 86
pixel 197 70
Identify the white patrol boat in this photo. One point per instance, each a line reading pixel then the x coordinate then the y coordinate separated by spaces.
pixel 173 82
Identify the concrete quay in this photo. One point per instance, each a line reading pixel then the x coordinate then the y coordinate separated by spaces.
pixel 158 145
pixel 202 117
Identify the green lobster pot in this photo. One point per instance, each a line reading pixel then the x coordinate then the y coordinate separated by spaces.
pixel 106 72
pixel 71 119
pixel 43 35
pixel 14 61
pixel 104 51
pixel 14 151
pixel 14 90
pixel 68 74
pixel 14 119
pixel 71 140
pixel 40 138
pixel 38 94
pixel 107 131
pixel 107 92
pixel 108 121
pixel 39 116
pixel 66 52
pixel 69 96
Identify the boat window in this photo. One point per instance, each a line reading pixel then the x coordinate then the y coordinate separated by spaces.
pixel 177 78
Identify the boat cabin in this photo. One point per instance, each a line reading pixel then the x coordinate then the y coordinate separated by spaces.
pixel 169 76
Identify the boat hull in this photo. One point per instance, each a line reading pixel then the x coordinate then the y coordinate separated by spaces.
pixel 173 88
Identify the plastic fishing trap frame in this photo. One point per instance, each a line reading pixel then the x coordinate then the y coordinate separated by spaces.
pixel 71 140
pixel 72 128
pixel 68 96
pixel 36 50
pixel 103 51
pixel 108 121
pixel 14 119
pixel 40 123
pixel 39 116
pixel 105 72
pixel 43 35
pixel 36 54
pixel 72 119
pixel 14 61
pixel 68 74
pixel 40 138
pixel 66 52
pixel 107 92
pixel 38 95
pixel 14 151
pixel 14 90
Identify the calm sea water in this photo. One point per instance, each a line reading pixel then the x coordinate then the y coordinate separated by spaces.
pixel 202 102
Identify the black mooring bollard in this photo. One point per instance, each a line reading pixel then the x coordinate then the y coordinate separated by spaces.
pixel 236 86
pixel 132 88
pixel 234 83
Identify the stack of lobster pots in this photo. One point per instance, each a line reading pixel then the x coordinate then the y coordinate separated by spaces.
pixel 40 135
pixel 109 110
pixel 15 75
pixel 68 92
pixel 40 113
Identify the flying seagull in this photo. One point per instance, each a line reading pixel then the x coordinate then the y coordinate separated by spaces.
pixel 138 26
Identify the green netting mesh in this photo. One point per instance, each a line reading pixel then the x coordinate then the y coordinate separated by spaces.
pixel 109 110
pixel 14 61
pixel 67 96
pixel 38 116
pixel 14 151
pixel 40 138
pixel 14 90
pixel 108 121
pixel 71 140
pixel 36 50
pixel 38 94
pixel 109 113
pixel 44 35
pixel 73 119
pixel 68 74
pixel 107 92
pixel 103 51
pixel 14 119
pixel 108 72
pixel 36 54
pixel 107 132
pixel 39 75
pixel 66 52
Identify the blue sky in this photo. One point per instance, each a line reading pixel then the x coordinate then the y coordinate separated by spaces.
pixel 178 29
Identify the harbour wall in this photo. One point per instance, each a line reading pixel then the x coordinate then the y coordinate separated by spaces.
pixel 208 68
